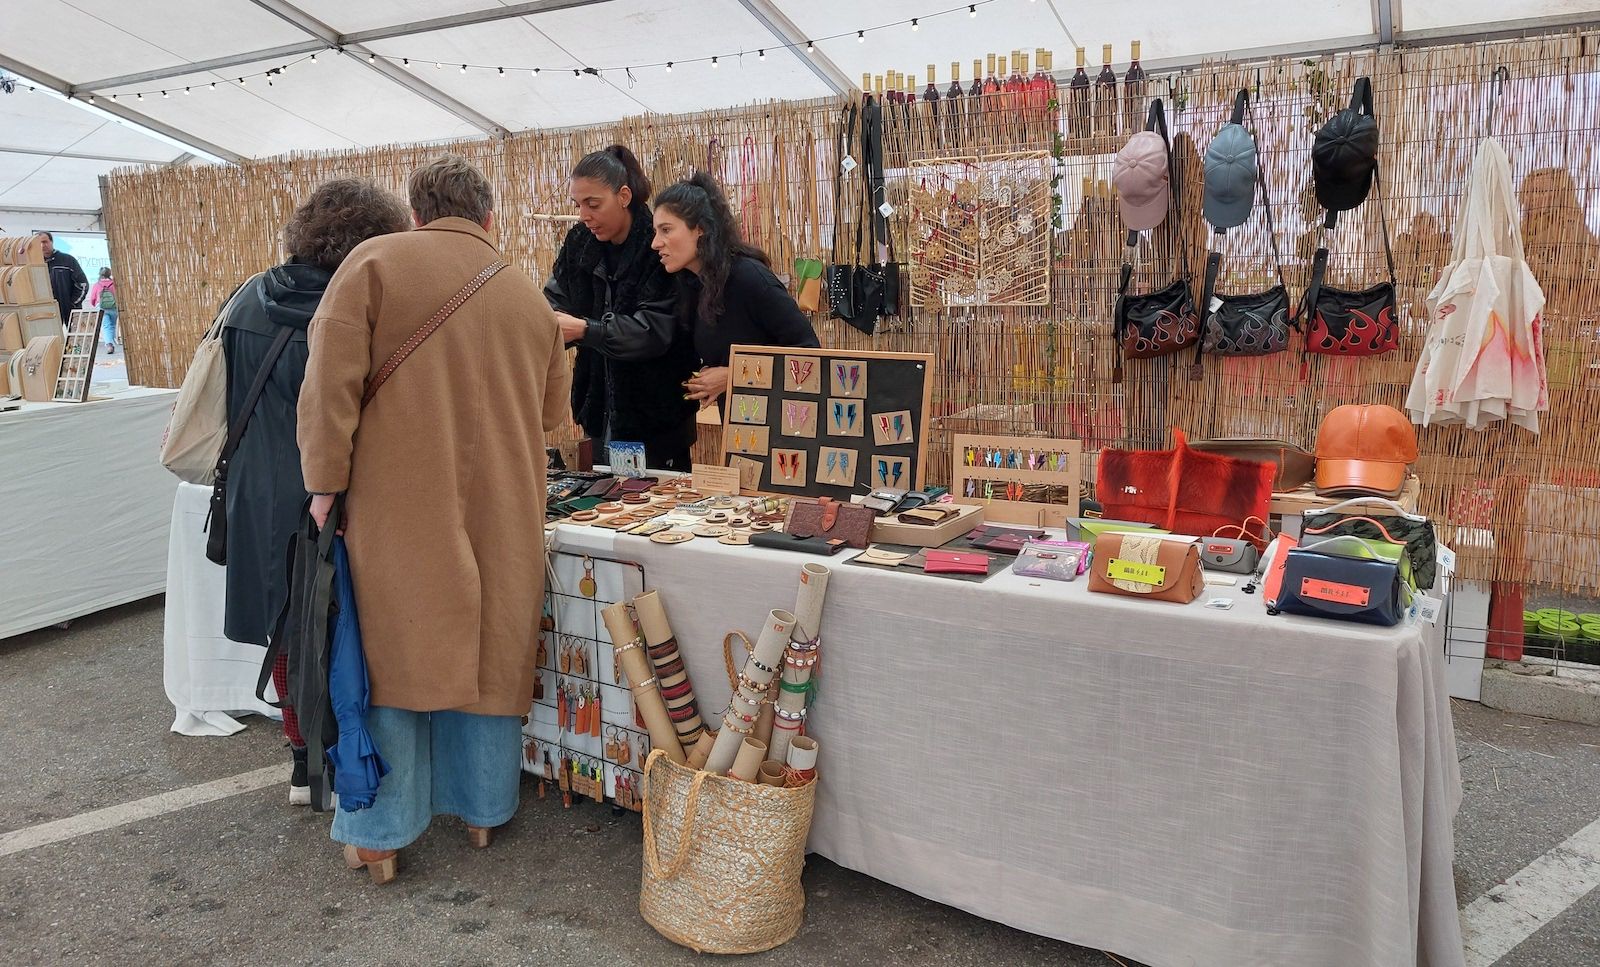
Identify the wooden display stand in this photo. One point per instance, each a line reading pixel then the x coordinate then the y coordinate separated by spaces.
pixel 1002 510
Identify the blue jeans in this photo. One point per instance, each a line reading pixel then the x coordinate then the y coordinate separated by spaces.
pixel 440 764
pixel 108 326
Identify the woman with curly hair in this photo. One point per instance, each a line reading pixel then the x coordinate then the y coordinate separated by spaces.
pixel 266 495
pixel 727 294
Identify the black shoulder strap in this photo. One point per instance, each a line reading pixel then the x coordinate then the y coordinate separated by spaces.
pixel 236 430
pixel 844 136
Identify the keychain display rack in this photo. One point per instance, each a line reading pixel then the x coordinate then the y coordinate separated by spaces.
pixel 578 682
pixel 1005 473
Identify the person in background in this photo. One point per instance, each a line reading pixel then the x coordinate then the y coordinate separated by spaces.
pixel 615 302
pixel 727 294
pixel 104 297
pixel 443 472
pixel 266 497
pixel 67 282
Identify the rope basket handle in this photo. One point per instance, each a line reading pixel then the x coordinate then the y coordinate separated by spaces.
pixel 652 855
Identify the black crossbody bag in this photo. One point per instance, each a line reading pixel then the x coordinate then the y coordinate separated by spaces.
pixel 1162 322
pixel 217 517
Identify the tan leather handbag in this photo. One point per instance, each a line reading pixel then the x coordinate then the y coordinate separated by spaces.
pixel 41 365
pixel 1146 566
pixel 10 331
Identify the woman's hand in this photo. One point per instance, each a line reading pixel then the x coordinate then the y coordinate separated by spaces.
pixel 708 384
pixel 572 328
pixel 321 506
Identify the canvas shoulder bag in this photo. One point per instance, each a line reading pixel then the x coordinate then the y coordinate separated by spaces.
pixel 199 423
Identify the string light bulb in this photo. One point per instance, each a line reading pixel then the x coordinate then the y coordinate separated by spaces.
pixel 713 63
pixel 91 98
pixel 502 71
pixel 405 62
pixel 241 82
pixel 113 97
pixel 913 23
pixel 313 58
pixel 810 47
pixel 437 66
pixel 762 55
pixel 861 36
pixel 213 85
pixel 669 67
pixel 163 93
pixel 372 58
pixel 463 68
pixel 972 10
pixel 141 96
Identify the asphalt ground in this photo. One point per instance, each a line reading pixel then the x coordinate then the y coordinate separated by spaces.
pixel 247 879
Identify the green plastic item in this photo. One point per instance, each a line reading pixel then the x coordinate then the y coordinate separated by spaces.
pixel 1563 628
pixel 1556 613
pixel 1590 631
pixel 1530 622
pixel 1588 618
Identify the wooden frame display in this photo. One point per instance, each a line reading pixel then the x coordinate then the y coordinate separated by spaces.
pixel 981 230
pixel 77 359
pixel 860 421
pixel 1056 463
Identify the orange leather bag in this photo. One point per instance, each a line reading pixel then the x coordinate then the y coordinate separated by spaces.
pixel 1146 566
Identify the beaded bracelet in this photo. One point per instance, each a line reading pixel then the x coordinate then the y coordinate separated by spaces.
pixel 790 716
pixel 758 687
pixel 793 660
pixel 753 703
pixel 757 662
pixel 738 731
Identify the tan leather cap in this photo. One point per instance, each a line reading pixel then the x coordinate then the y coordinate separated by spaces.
pixel 1365 449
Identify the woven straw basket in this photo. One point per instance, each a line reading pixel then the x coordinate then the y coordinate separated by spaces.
pixel 722 859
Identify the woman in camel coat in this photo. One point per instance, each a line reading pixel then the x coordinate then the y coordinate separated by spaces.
pixel 444 478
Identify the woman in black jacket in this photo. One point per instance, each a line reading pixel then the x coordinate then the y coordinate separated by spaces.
pixel 727 294
pixel 615 303
pixel 266 496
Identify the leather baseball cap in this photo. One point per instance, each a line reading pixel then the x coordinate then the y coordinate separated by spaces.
pixel 1364 450
pixel 1345 153
pixel 1230 177
pixel 1142 180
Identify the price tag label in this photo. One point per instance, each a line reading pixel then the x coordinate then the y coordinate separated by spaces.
pixel 1447 559
pixel 1137 573
pixel 1216 304
pixel 1429 608
pixel 886 209
pixel 848 164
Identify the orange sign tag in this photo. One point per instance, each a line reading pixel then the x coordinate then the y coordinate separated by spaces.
pixel 1219 549
pixel 1337 593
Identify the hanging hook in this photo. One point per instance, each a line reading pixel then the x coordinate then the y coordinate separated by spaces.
pixel 1497 87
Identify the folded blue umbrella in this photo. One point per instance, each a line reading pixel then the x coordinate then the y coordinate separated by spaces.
pixel 357 766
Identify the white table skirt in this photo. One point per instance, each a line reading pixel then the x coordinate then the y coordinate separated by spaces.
pixel 209 678
pixel 87 505
pixel 1179 785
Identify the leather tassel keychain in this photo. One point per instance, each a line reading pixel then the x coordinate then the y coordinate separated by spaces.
pixel 561 706
pixel 594 718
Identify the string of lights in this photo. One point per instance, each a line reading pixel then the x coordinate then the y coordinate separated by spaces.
pixel 273 74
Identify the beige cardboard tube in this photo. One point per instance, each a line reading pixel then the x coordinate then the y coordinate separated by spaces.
pixel 764 724
pixel 772 774
pixel 808 603
pixel 751 754
pixel 663 651
pixel 702 749
pixel 803 753
pixel 641 680
pixel 769 653
pixel 783 737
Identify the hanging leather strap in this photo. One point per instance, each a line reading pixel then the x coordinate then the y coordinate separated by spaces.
pixel 428 329
pixel 845 137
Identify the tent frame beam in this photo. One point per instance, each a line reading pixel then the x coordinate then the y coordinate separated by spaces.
pixel 79 156
pixel 327 38
pixel 781 27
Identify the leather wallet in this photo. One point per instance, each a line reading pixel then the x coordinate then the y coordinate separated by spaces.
pixel 638 485
pixel 828 518
pixel 1003 540
pixel 928 516
pixel 884 500
pixel 955 562
pixel 790 542
pixel 913 500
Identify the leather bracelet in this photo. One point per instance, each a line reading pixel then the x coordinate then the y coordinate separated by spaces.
pixel 782 723
pixel 680 690
pixel 671 668
pixel 683 713
pixel 664 649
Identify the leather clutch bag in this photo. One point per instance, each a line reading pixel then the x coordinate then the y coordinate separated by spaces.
pixel 927 516
pixel 884 500
pixel 1229 554
pixel 790 542
pixel 1293 467
pixel 1328 585
pixel 1002 540
pixel 1052 560
pixel 955 562
pixel 1146 566
pixel 829 519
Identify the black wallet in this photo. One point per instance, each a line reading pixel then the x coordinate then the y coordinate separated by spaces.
pixel 805 545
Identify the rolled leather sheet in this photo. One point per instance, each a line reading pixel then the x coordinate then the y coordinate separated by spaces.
pixel 657 632
pixel 808 603
pixel 769 653
pixel 748 762
pixel 702 749
pixel 772 774
pixel 641 681
pixel 803 753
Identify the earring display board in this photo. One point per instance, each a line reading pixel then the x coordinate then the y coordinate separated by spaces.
pixel 819 423
pixel 77 360
pixel 1009 475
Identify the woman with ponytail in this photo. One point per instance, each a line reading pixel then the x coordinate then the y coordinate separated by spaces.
pixel 727 294
pixel 616 303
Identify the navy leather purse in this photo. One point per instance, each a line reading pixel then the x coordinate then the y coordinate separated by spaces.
pixel 1324 584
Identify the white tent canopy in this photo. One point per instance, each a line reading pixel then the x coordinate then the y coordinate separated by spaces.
pixel 191 77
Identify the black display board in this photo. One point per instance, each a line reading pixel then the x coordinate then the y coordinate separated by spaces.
pixel 826 423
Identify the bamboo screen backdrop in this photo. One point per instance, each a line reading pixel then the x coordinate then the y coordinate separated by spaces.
pixel 1517 507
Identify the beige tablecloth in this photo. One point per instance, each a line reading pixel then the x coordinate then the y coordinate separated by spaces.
pixel 1179 785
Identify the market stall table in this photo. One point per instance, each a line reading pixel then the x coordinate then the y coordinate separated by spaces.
pixel 209 678
pixel 87 504
pixel 1180 785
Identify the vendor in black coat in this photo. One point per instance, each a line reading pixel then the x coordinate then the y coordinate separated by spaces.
pixel 727 294
pixel 266 495
pixel 616 304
